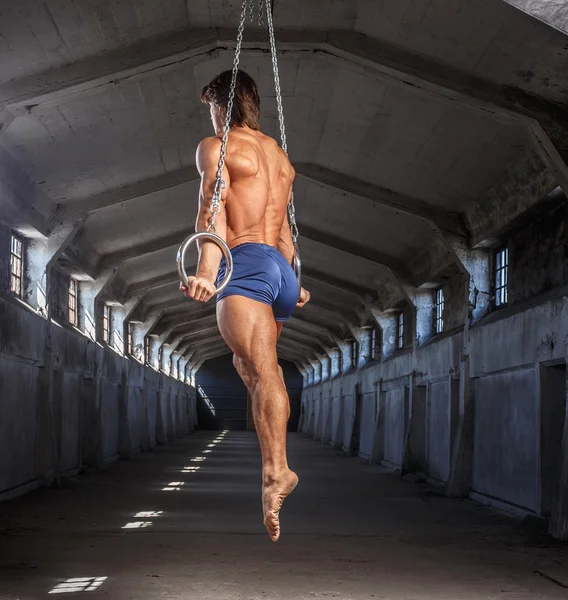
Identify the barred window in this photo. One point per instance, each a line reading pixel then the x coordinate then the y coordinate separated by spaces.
pixel 439 314
pixel 501 276
pixel 129 338
pixel 147 351
pixel 16 266
pixel 354 353
pixel 374 343
pixel 73 297
pixel 106 323
pixel 400 331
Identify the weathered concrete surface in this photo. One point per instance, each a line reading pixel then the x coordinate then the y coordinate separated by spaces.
pixel 554 14
pixel 68 403
pixel 418 394
pixel 350 531
pixel 382 105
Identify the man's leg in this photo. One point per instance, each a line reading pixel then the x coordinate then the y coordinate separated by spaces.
pixel 249 329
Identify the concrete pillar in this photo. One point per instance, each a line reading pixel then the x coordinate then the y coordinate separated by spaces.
pixel 325 367
pixel 477 264
pixel 153 352
pixel 423 302
pixel 388 323
pixel 364 339
pixel 334 366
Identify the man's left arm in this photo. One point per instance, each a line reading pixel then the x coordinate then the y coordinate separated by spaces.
pixel 202 286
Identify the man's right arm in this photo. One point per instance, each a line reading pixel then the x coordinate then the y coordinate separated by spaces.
pixel 285 243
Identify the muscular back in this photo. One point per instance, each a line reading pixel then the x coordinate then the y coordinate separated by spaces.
pixel 259 177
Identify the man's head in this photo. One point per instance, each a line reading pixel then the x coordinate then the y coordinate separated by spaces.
pixel 246 106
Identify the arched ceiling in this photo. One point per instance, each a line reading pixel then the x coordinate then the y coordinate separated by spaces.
pixel 405 120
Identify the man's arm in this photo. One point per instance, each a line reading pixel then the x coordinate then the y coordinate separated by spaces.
pixel 287 249
pixel 202 287
pixel 285 243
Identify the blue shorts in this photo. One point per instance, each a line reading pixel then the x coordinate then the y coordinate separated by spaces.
pixel 263 274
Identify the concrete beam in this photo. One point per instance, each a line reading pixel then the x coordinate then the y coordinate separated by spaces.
pixel 416 73
pixel 527 183
pixel 117 258
pixel 338 282
pixel 133 191
pixel 189 313
pixel 196 337
pixel 167 52
pixel 313 315
pixel 304 339
pixel 23 205
pixel 206 328
pixel 310 328
pixel 355 249
pixel 151 284
pixel 297 349
pixel 375 194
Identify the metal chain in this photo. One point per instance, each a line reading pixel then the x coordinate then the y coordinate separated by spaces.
pixel 219 183
pixel 259 14
pixel 291 208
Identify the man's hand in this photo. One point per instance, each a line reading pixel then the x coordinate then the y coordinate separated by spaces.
pixel 304 298
pixel 200 289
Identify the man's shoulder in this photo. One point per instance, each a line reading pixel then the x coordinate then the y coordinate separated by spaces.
pixel 209 144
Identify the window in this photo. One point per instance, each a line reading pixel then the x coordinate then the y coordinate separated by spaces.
pixel 129 338
pixel 147 351
pixel 160 355
pixel 354 352
pixel 501 276
pixel 73 301
pixel 340 361
pixel 106 323
pixel 439 314
pixel 400 331
pixel 16 266
pixel 373 344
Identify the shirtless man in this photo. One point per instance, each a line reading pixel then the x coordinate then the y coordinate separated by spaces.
pixel 263 291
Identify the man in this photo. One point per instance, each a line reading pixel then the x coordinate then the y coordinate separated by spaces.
pixel 263 291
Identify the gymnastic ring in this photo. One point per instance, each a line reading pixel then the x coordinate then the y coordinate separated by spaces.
pixel 213 237
pixel 298 268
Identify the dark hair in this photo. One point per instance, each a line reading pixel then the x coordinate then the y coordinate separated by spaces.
pixel 246 106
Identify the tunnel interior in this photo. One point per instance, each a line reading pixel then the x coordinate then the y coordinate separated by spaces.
pixel 429 141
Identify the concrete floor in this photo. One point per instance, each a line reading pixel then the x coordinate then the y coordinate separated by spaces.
pixel 349 531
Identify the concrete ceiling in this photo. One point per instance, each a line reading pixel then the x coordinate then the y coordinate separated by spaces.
pixel 406 120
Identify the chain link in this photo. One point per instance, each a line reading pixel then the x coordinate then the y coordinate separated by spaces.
pixel 219 183
pixel 284 143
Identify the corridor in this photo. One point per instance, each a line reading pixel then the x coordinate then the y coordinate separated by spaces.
pixel 185 522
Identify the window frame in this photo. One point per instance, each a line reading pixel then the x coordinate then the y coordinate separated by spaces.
pixel 17 246
pixel 106 323
pixel 501 292
pixel 400 330
pixel 73 302
pixel 439 306
pixel 373 344
pixel 129 338
pixel 146 351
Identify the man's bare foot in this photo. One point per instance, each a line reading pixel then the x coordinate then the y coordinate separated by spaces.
pixel 273 496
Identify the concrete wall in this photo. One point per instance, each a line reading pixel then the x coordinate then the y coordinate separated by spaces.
pixel 67 403
pixel 509 368
pixel 538 255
